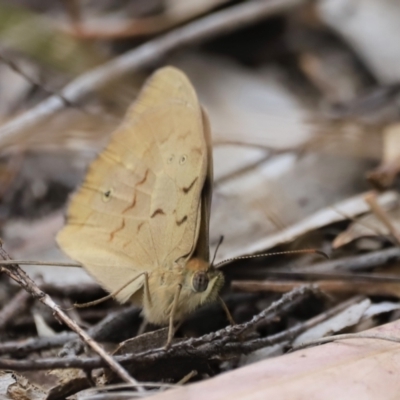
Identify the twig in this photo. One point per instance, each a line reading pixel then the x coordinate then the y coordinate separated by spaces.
pixel 345 336
pixel 380 213
pixel 19 276
pixel 241 170
pixel 290 334
pixel 354 277
pixel 215 24
pixel 22 348
pixel 46 263
pixel 13 65
pixel 261 146
pixel 367 288
pixel 286 302
pixel 115 322
pixel 16 305
pixel 355 263
pixel 114 327
pixel 72 312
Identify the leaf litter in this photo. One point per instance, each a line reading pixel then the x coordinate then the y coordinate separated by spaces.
pixel 305 125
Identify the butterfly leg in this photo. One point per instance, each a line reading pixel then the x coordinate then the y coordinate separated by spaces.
pixel 142 327
pixel 227 312
pixel 146 288
pixel 171 330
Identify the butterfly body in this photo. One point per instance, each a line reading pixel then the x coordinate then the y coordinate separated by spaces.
pixel 139 222
pixel 200 284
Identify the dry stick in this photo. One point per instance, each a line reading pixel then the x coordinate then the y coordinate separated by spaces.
pixel 356 263
pixel 291 333
pixel 352 277
pixel 215 24
pixel 14 66
pixel 20 348
pixel 241 171
pixel 102 331
pixel 346 336
pixel 16 305
pixel 46 263
pixel 287 301
pixel 382 215
pixel 67 103
pixel 19 276
pixel 367 288
pixel 182 350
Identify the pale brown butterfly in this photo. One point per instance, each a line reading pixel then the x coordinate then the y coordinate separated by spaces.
pixel 139 222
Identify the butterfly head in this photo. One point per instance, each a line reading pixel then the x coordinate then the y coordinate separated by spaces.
pixel 204 279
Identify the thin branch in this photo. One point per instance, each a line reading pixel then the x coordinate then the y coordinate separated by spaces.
pixel 21 348
pixel 46 263
pixel 346 336
pixel 287 301
pixel 15 67
pixel 367 288
pixel 119 321
pixel 113 328
pixel 354 277
pixel 215 24
pixel 19 276
pixel 356 263
pixel 290 334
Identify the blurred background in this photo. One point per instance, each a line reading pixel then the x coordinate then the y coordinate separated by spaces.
pixel 303 98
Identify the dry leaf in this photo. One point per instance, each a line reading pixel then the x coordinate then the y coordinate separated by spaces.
pixel 349 317
pixel 346 370
pixel 367 226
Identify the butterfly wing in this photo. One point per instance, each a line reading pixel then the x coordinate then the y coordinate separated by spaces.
pixel 203 246
pixel 139 206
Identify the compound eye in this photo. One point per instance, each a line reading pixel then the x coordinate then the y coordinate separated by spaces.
pixel 200 282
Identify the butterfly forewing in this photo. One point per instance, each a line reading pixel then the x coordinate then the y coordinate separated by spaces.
pixel 139 206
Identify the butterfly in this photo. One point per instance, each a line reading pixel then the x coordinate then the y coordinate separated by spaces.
pixel 139 223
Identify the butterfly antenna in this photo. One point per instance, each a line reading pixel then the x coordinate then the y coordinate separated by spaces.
pixel 305 251
pixel 221 239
